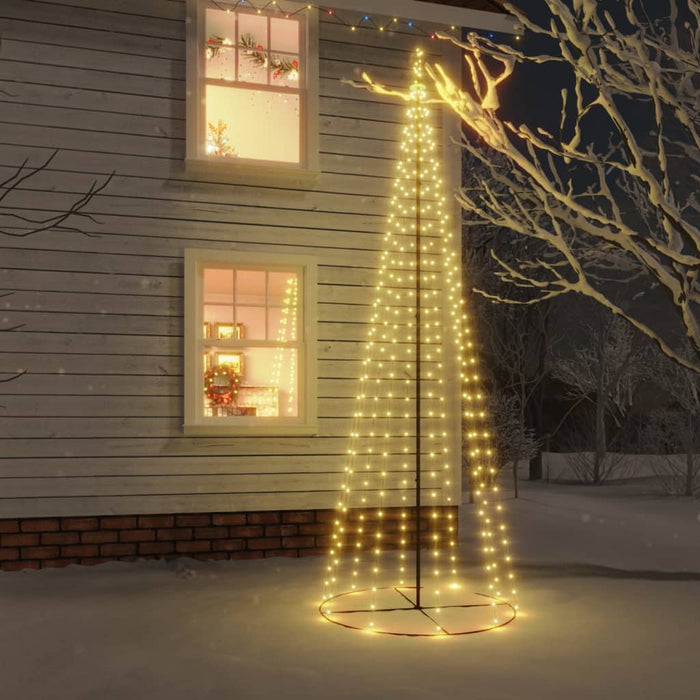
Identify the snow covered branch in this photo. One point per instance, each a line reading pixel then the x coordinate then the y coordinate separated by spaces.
pixel 622 213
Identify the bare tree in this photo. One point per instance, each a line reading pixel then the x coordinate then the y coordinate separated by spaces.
pixel 604 368
pixel 17 223
pixel 20 225
pixel 511 348
pixel 604 217
pixel 513 441
pixel 674 432
pixel 675 426
pixel 517 343
pixel 516 340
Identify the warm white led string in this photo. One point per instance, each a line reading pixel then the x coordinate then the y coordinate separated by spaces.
pixel 386 398
pixel 286 332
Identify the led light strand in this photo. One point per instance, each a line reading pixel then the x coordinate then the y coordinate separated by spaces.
pixel 361 20
pixel 287 332
pixel 369 455
pixel 482 459
pixel 418 263
pixel 389 363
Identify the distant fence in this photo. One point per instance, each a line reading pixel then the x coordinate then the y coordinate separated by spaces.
pixel 562 466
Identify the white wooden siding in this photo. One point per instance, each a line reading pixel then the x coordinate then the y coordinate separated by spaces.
pixel 94 426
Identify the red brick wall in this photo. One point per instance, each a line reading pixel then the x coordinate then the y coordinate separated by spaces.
pixel 37 543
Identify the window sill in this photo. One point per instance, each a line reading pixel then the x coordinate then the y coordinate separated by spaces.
pixel 234 431
pixel 247 174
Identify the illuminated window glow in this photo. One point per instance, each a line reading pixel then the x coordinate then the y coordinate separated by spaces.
pixel 251 79
pixel 249 361
pixel 256 313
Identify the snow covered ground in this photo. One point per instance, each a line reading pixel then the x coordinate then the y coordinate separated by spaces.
pixel 610 595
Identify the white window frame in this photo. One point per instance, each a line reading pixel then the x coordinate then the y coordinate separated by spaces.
pixel 195 422
pixel 197 160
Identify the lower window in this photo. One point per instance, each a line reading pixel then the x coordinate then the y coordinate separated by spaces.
pixel 249 343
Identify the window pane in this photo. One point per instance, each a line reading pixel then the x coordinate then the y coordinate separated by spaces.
pixel 281 285
pixel 220 24
pixel 252 67
pixel 218 301
pixel 259 124
pixel 285 35
pixel 220 32
pixel 253 48
pixel 250 287
pixel 221 61
pixel 255 27
pixel 285 71
pixel 283 297
pixel 278 285
pixel 218 285
pixel 250 382
pixel 220 321
pixel 285 376
pixel 252 319
pixel 283 323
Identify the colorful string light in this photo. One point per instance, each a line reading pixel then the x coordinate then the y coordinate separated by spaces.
pixel 363 21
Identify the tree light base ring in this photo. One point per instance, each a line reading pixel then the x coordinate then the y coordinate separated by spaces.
pixel 392 610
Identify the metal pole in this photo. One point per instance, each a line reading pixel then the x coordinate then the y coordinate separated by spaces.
pixel 418 357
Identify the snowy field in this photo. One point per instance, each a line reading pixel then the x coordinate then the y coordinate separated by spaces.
pixel 610 596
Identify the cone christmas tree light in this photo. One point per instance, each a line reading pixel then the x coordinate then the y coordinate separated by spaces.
pixel 393 564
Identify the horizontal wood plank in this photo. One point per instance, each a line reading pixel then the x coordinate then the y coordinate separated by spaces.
pixel 106 486
pixel 203 466
pixel 113 22
pixel 94 423
pixel 183 503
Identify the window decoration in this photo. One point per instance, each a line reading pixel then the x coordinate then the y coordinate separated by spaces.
pixel 256 54
pixel 264 399
pixel 284 356
pixel 226 331
pixel 232 359
pixel 221 385
pixel 281 65
pixel 217 140
pixel 214 45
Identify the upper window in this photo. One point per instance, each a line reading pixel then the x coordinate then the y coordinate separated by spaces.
pixel 250 343
pixel 249 100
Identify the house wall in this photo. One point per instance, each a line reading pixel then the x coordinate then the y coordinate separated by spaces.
pixel 94 426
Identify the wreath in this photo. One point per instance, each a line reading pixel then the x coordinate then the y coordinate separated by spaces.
pixel 221 385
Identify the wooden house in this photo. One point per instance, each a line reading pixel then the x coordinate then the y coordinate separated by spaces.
pixel 189 225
